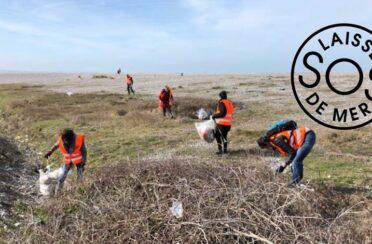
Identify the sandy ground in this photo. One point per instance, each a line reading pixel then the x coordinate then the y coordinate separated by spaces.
pixel 248 89
pixel 244 86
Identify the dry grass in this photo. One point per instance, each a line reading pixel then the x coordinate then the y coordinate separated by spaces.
pixel 129 203
pixel 233 199
pixel 187 107
pixel 102 77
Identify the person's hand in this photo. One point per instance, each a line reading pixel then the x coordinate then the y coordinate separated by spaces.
pixel 288 162
pixel 211 117
pixel 280 169
pixel 47 155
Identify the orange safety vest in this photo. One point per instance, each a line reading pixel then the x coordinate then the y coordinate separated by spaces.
pixel 227 120
pixel 75 157
pixel 295 138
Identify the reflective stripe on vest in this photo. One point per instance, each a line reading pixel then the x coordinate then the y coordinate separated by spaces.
pixel 298 137
pixel 75 157
pixel 286 134
pixel 227 120
pixel 295 138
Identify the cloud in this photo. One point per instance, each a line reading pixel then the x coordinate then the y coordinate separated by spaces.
pixel 226 16
pixel 20 28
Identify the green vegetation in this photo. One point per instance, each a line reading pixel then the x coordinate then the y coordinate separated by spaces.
pixel 118 127
pixel 138 161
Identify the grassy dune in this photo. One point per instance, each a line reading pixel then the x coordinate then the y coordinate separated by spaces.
pixel 138 161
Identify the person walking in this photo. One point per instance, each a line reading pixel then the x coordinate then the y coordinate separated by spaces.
pixel 294 143
pixel 73 149
pixel 166 101
pixel 223 116
pixel 130 84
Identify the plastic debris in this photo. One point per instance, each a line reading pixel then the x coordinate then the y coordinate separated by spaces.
pixel 69 93
pixel 202 114
pixel 275 163
pixel 206 130
pixel 48 179
pixel 176 209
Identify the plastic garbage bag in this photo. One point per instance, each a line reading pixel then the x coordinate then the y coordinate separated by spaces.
pixel 176 209
pixel 206 130
pixel 48 179
pixel 276 163
pixel 202 114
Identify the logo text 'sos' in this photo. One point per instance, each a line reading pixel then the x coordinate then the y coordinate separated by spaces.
pixel 314 88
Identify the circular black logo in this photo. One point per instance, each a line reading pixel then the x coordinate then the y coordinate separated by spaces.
pixel 332 76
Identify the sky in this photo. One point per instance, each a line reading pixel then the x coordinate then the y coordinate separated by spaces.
pixel 164 36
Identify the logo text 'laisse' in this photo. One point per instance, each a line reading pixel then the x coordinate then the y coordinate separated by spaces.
pixel 342 101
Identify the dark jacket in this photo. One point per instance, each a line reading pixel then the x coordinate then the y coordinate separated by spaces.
pixel 281 141
pixel 222 109
pixel 165 98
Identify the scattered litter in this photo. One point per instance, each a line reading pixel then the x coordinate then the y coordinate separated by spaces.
pixel 202 114
pixel 3 214
pixel 176 209
pixel 305 187
pixel 206 130
pixel 48 180
pixel 17 224
pixel 69 93
pixel 275 163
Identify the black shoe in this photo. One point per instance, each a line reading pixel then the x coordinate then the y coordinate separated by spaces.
pixel 225 151
pixel 219 152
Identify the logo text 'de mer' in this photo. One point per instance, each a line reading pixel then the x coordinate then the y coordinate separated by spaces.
pixel 333 104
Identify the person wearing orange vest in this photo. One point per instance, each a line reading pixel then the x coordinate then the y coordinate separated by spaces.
pixel 130 84
pixel 295 144
pixel 223 116
pixel 166 101
pixel 72 147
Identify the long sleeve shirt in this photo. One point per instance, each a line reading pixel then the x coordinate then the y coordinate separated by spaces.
pixel 282 142
pixel 222 111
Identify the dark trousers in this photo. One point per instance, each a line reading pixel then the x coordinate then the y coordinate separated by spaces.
pixel 130 89
pixel 167 110
pixel 220 133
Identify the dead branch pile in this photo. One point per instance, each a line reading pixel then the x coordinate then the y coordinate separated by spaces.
pixel 240 202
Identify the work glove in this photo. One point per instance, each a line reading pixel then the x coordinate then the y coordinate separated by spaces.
pixel 211 117
pixel 47 155
pixel 280 169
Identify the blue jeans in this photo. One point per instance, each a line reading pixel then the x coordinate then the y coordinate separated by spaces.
pixel 66 168
pixel 302 152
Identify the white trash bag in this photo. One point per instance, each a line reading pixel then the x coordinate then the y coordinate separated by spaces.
pixel 48 179
pixel 206 130
pixel 202 114
pixel 176 209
